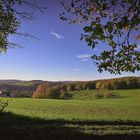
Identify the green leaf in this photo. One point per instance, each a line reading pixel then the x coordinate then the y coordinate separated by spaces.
pixel 110 28
pixel 119 25
pixel 98 30
pixel 88 29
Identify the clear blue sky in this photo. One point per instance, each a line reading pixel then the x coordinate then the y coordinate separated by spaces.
pixel 57 55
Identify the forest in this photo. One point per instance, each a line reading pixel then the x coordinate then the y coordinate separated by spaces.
pixel 48 89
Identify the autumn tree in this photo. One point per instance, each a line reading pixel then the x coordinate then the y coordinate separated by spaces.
pixel 99 85
pixel 132 83
pixel 40 91
pixel 114 23
pixel 107 85
pixel 115 84
pixel 53 93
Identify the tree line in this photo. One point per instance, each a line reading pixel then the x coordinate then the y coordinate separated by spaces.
pixel 21 88
pixel 62 91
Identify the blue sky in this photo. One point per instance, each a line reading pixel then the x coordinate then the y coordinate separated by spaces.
pixel 57 55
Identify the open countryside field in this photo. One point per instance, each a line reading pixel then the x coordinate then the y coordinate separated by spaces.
pixel 78 118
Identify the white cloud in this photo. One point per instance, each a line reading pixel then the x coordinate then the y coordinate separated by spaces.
pixel 85 59
pixel 75 69
pixel 84 56
pixel 57 35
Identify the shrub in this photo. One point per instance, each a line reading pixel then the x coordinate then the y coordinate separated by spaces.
pixel 53 93
pixel 3 105
pixel 98 95
pixel 110 95
pixel 65 95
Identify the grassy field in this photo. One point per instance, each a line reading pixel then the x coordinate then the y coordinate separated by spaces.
pixel 81 117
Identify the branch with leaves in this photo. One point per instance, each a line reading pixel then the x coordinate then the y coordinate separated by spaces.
pixel 114 23
pixel 10 20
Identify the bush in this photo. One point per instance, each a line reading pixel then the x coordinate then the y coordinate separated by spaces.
pixel 53 93
pixel 107 94
pixel 65 95
pixel 111 95
pixel 3 105
pixel 98 95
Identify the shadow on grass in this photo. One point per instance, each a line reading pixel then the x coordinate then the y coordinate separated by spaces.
pixel 18 127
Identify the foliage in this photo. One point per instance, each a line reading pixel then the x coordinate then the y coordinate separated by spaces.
pixel 89 85
pixel 64 90
pixel 5 93
pixel 133 83
pixel 78 86
pixel 3 105
pixel 114 23
pixel 18 88
pixel 8 24
pixel 10 20
pixel 98 85
pixel 108 94
pixel 40 91
pixel 119 83
pixel 43 91
pixel 33 89
pixel 65 95
pixel 98 95
pixel 107 85
pixel 53 93
pixel 115 84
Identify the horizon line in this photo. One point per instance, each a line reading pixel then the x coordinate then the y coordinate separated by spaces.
pixel 10 79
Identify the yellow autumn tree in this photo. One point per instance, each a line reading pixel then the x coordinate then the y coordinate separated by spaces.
pixel 41 91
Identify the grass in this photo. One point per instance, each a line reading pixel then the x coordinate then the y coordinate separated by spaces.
pixel 80 117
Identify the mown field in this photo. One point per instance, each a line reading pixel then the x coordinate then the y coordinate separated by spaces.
pixel 81 117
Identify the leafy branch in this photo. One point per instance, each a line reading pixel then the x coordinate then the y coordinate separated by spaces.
pixel 116 24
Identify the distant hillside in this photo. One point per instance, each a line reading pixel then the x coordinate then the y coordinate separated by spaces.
pixel 21 88
pixel 9 81
pixel 64 91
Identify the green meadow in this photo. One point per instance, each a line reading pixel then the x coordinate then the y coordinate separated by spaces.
pixel 82 116
pixel 81 107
